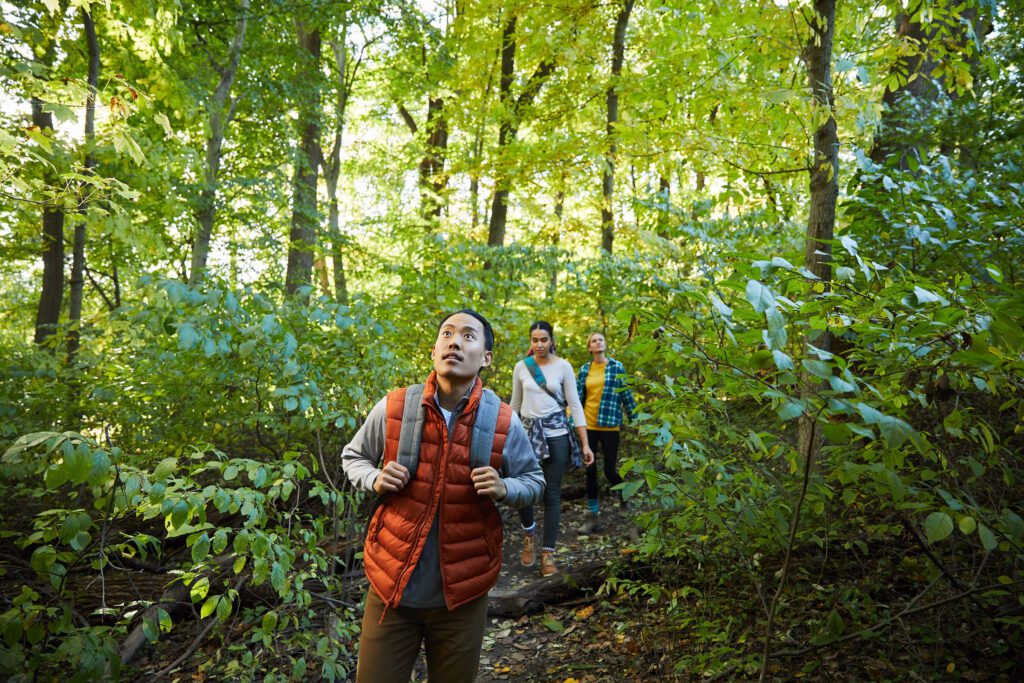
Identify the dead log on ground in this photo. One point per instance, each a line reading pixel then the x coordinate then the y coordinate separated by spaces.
pixel 531 597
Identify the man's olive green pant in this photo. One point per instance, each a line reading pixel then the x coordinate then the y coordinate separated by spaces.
pixel 452 639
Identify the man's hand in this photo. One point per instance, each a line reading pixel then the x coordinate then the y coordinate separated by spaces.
pixel 588 455
pixel 392 478
pixel 487 482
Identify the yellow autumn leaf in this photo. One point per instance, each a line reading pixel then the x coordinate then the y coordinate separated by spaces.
pixel 585 612
pixel 950 667
pixel 570 680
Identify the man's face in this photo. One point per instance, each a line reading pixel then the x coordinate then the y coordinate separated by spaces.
pixel 460 350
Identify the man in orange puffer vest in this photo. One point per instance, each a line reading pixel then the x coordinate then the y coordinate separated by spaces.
pixel 433 546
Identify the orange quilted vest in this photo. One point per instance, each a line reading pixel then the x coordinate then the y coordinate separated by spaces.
pixel 469 531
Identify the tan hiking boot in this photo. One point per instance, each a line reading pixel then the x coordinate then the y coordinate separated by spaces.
pixel 528 556
pixel 547 563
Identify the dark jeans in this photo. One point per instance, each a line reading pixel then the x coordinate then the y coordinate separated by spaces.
pixel 608 444
pixel 388 649
pixel 554 468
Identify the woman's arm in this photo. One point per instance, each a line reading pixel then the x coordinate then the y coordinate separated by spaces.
pixel 517 389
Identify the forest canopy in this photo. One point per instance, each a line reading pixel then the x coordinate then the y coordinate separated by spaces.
pixel 229 227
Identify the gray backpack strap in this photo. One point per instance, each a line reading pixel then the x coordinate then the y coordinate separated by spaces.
pixel 413 414
pixel 483 429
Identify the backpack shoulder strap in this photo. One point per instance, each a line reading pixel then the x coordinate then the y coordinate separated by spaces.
pixel 413 415
pixel 483 429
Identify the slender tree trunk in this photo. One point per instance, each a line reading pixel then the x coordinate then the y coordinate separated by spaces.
pixel 824 184
pixel 432 179
pixel 78 252
pixel 332 168
pixel 217 120
pixel 612 100
pixel 506 134
pixel 824 187
pixel 51 298
pixel 556 239
pixel 509 128
pixel 302 240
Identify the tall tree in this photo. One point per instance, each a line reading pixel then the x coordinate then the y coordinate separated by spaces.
pixel 345 74
pixel 303 238
pixel 612 102
pixel 508 129
pixel 89 163
pixel 52 294
pixel 218 119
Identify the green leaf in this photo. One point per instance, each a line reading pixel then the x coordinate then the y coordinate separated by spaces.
pixel 967 525
pixel 269 622
pixel 165 468
pixel 782 361
pixel 553 625
pixel 161 119
pixel 790 410
pixel 938 526
pixel 200 549
pixel 988 539
pixel 759 296
pixel 835 624
pixel 179 514
pixel 187 337
pixel 150 629
pixel 994 272
pixel 817 368
pixel 926 297
pixel 775 336
pixel 631 487
pixel 223 608
pixel 720 306
pixel 209 606
pixel 277 577
pixel 200 589
pixel 894 431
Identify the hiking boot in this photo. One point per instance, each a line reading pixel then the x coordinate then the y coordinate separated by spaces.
pixel 527 557
pixel 547 563
pixel 591 526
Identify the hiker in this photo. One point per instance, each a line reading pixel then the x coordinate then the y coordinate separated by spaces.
pixel 450 449
pixel 605 401
pixel 542 386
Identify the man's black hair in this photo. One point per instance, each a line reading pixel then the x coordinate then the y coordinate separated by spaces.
pixel 488 332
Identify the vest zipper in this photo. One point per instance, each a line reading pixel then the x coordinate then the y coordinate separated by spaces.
pixel 419 528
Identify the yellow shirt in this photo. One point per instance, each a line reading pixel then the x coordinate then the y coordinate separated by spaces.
pixel 595 388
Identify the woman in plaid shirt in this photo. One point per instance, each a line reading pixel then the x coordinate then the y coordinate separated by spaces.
pixel 605 400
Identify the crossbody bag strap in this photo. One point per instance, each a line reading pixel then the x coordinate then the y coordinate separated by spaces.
pixel 538 377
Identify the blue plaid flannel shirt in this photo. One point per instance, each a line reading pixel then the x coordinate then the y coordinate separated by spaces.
pixel 614 399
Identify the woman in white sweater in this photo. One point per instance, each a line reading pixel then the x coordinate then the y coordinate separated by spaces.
pixel 542 386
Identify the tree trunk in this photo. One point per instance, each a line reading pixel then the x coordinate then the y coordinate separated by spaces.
pixel 509 128
pixel 51 297
pixel 432 179
pixel 78 250
pixel 824 185
pixel 506 134
pixel 302 240
pixel 612 99
pixel 332 167
pixel 218 119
